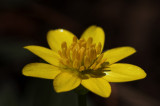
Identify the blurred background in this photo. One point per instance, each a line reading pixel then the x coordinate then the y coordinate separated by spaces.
pixel 125 22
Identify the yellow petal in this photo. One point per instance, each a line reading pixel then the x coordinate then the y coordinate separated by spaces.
pixel 46 54
pixel 56 37
pixel 96 33
pixel 41 70
pixel 116 54
pixel 66 82
pixel 124 72
pixel 98 86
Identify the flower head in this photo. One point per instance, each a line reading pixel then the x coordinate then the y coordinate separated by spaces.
pixel 74 62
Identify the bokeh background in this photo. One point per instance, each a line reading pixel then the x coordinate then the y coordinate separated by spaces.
pixel 125 22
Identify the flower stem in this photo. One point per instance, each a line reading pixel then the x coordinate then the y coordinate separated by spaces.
pixel 82 100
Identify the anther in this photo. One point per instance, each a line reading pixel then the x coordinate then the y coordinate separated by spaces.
pixel 68 53
pixel 78 55
pixel 76 47
pixel 94 53
pixel 74 54
pixel 99 58
pixel 81 40
pixel 99 64
pixel 75 39
pixel 64 45
pixel 83 44
pixel 89 41
pixel 81 68
pixel 60 53
pixel 94 65
pixel 68 63
pixel 81 54
pixel 99 47
pixel 75 63
pixel 93 45
pixel 64 53
pixel 86 61
pixel 91 54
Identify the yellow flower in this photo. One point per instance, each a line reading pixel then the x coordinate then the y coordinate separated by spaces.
pixel 74 62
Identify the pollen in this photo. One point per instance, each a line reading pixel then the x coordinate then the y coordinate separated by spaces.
pixel 82 55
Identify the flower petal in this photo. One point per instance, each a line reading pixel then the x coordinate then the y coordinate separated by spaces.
pixel 98 86
pixel 46 54
pixel 124 72
pixel 116 54
pixel 56 37
pixel 66 81
pixel 41 70
pixel 96 33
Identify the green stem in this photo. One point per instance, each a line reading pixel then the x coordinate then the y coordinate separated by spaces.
pixel 82 100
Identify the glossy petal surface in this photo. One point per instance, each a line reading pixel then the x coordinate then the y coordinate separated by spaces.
pixel 116 54
pixel 96 33
pixel 56 37
pixel 124 72
pixel 46 54
pixel 66 82
pixel 98 86
pixel 41 70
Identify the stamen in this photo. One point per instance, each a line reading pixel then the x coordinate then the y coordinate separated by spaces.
pixel 68 53
pixel 84 56
pixel 74 55
pixel 78 55
pixel 68 63
pixel 87 52
pixel 94 53
pixel 64 45
pixel 93 45
pixel 72 45
pixel 75 64
pixel 76 47
pixel 99 47
pixel 99 64
pixel 89 41
pixel 60 53
pixel 86 61
pixel 83 44
pixel 81 68
pixel 97 61
pixel 99 58
pixel 94 65
pixel 81 40
pixel 91 54
pixel 64 52
pixel 81 54
pixel 75 39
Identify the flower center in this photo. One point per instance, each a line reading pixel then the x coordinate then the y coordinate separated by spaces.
pixel 83 56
